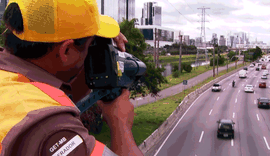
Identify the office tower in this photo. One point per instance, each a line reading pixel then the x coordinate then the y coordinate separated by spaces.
pixel 151 14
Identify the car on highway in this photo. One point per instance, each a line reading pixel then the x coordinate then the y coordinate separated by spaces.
pixel 249 88
pixel 245 68
pixel 259 64
pixel 262 84
pixel 258 69
pixel 263 102
pixel 266 71
pixel 264 76
pixel 216 87
pixel 225 128
pixel 251 65
pixel 263 66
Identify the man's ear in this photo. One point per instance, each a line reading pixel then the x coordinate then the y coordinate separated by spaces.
pixel 64 47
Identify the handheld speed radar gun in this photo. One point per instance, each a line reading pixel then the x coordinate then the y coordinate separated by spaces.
pixel 107 71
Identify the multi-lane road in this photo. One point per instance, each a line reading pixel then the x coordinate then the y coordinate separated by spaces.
pixel 195 134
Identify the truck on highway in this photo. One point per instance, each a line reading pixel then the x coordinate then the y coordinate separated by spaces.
pixel 242 74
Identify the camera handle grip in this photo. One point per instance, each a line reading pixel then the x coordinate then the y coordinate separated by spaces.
pixel 98 94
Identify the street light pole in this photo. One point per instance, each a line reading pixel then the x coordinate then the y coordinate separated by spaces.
pixel 214 58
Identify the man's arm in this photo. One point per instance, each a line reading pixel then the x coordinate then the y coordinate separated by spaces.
pixel 119 115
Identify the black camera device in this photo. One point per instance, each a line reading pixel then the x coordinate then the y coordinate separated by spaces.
pixel 107 71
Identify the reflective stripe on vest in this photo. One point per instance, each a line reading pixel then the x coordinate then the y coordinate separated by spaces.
pixel 98 149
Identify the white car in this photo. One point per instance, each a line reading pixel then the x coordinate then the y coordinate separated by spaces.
pixel 249 88
pixel 251 65
pixel 216 87
pixel 266 71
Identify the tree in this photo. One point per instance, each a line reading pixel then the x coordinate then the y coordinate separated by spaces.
pixel 231 54
pixel 135 46
pixel 258 53
pixel 2 29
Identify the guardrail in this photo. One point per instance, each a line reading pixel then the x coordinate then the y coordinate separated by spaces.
pixel 178 113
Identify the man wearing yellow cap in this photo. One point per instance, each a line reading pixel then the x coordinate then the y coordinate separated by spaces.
pixel 46 44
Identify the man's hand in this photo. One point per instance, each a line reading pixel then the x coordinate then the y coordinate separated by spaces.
pixel 118 111
pixel 120 41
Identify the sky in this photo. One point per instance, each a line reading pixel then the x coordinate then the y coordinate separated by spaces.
pixel 250 16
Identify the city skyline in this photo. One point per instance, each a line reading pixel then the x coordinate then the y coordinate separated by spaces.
pixel 224 16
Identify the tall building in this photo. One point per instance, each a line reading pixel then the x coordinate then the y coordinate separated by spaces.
pixel 186 39
pixel 214 36
pixel 117 9
pixel 222 41
pixel 3 5
pixel 198 41
pixel 151 14
pixel 192 42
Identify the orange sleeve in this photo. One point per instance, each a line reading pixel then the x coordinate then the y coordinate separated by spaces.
pixel 98 149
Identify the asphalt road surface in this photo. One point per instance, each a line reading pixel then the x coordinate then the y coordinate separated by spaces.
pixel 178 88
pixel 195 134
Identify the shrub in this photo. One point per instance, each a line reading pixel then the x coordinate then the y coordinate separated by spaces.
pixel 188 68
pixel 176 74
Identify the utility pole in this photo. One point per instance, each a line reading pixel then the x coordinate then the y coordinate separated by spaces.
pixel 180 51
pixel 155 36
pixel 217 60
pixel 214 57
pixel 157 50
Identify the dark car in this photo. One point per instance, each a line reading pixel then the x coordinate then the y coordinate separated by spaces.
pixel 225 128
pixel 263 102
pixel 258 68
pixel 245 68
pixel 262 84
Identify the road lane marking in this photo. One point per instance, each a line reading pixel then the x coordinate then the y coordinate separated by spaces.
pixel 235 100
pixel 246 80
pixel 238 90
pixel 255 85
pixel 201 136
pixel 255 102
pixel 224 89
pixel 258 117
pixel 217 98
pixel 233 114
pixel 242 84
pixel 266 143
pixel 209 89
pixel 257 80
pixel 210 111
pixel 254 92
pixel 232 142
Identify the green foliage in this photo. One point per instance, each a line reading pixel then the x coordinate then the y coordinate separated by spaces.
pixel 231 54
pixel 221 60
pixel 176 74
pixel 187 68
pixel 2 29
pixel 135 46
pixel 258 53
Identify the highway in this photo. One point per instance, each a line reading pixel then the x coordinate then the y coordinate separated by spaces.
pixel 195 134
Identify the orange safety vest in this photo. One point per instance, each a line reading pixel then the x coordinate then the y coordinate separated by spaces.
pixel 19 96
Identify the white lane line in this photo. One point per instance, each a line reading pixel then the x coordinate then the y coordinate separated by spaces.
pixel 242 84
pixel 254 92
pixel 246 80
pixel 266 143
pixel 257 80
pixel 233 114
pixel 210 111
pixel 238 90
pixel 181 119
pixel 232 142
pixel 201 136
pixel 217 98
pixel 224 89
pixel 255 102
pixel 258 117
pixel 235 100
pixel 255 85
pixel 139 98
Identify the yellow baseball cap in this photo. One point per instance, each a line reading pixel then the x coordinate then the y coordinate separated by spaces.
pixel 59 20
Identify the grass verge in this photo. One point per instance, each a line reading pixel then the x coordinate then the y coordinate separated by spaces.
pixel 149 117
